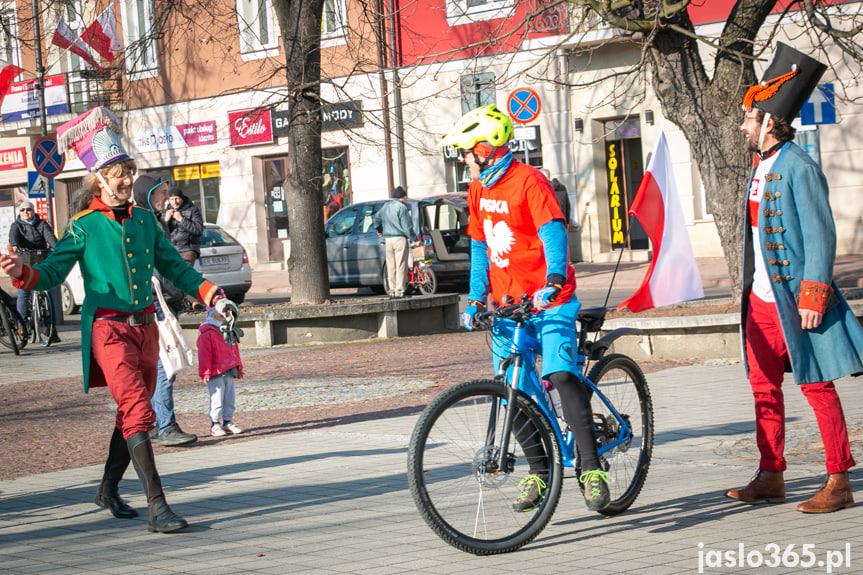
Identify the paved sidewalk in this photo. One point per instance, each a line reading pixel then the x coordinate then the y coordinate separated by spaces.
pixel 336 501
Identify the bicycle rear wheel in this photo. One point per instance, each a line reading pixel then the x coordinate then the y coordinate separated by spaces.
pixel 427 281
pixel 43 318
pixel 7 336
pixel 454 476
pixel 621 381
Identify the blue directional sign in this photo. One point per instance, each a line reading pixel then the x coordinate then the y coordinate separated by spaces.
pixel 46 159
pixel 523 105
pixel 820 108
pixel 37 185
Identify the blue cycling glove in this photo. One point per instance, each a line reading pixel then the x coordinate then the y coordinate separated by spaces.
pixel 467 318
pixel 545 297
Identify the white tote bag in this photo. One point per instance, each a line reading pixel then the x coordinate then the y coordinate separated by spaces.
pixel 174 351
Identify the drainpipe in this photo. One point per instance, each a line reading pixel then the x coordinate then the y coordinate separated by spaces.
pixel 385 102
pixel 395 62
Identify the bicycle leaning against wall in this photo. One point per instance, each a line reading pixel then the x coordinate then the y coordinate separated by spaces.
pixel 465 463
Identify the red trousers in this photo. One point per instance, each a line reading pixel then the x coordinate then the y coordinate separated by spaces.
pixel 128 356
pixel 766 355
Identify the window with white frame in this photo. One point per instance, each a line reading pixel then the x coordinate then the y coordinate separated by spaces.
pixel 258 33
pixel 10 51
pixel 78 87
pixel 139 35
pixel 334 23
pixel 467 11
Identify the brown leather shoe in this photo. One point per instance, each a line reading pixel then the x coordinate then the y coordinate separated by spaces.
pixel 766 486
pixel 835 494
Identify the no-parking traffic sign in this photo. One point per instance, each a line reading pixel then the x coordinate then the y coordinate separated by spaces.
pixel 523 105
pixel 46 159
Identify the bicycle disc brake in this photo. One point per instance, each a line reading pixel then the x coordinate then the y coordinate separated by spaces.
pixel 485 467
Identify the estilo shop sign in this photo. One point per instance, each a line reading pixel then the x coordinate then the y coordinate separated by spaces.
pixel 250 127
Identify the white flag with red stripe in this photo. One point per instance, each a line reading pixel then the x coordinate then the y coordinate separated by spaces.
pixel 67 39
pixel 673 275
pixel 7 74
pixel 102 35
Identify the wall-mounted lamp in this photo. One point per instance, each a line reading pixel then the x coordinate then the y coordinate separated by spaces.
pixel 579 125
pixel 648 117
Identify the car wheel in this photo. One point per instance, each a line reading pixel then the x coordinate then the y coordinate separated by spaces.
pixel 67 300
pixel 236 297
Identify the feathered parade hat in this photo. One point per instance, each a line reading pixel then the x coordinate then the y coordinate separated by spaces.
pixel 95 137
pixel 789 79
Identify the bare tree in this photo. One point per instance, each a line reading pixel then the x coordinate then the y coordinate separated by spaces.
pixel 706 106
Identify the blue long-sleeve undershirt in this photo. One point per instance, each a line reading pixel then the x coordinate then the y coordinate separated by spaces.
pixel 479 266
pixel 556 247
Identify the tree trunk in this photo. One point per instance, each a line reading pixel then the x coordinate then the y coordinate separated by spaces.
pixel 300 22
pixel 709 114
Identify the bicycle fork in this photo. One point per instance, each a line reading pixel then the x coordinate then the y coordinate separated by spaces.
pixel 504 460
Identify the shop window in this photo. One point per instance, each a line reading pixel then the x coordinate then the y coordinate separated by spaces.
pixel 201 184
pixel 335 178
pixel 334 23
pixel 258 31
pixel 807 137
pixel 142 55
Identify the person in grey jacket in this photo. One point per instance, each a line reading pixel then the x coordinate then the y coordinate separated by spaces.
pixel 31 238
pixel 184 225
pixel 393 222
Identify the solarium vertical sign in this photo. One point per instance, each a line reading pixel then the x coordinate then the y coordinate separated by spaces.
pixel 251 127
pixel 616 204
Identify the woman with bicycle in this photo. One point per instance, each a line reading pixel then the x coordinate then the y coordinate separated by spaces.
pixel 32 239
pixel 519 246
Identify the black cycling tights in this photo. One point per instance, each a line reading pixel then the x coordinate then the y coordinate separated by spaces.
pixel 575 399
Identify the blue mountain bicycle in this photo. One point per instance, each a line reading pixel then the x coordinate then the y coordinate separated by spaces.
pixel 467 452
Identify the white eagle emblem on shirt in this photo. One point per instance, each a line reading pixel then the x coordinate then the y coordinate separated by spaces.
pixel 499 239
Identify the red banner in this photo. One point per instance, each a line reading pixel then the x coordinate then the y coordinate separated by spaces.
pixel 251 127
pixel 14 158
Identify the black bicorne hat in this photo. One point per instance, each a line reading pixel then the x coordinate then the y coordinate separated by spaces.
pixel 790 78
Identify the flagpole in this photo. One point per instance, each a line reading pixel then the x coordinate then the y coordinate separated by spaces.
pixel 40 90
pixel 619 257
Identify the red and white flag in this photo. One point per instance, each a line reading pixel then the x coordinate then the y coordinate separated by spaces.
pixel 102 35
pixel 7 74
pixel 673 274
pixel 67 39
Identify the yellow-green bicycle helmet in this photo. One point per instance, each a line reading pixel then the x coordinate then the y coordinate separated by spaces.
pixel 485 124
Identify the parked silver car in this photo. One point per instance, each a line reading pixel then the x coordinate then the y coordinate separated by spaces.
pixel 223 261
pixel 356 255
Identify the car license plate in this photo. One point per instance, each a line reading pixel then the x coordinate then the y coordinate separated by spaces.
pixel 214 260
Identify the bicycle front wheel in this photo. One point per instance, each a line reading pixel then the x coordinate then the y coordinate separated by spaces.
pixel 19 328
pixel 7 336
pixel 454 474
pixel 427 281
pixel 621 381
pixel 43 318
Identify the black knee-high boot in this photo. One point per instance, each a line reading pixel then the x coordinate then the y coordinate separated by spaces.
pixel 162 519
pixel 108 495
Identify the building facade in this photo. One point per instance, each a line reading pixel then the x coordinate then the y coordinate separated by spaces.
pixel 202 101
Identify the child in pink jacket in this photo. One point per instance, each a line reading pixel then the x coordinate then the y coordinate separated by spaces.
pixel 218 365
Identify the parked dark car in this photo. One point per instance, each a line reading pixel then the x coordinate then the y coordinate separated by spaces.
pixel 356 255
